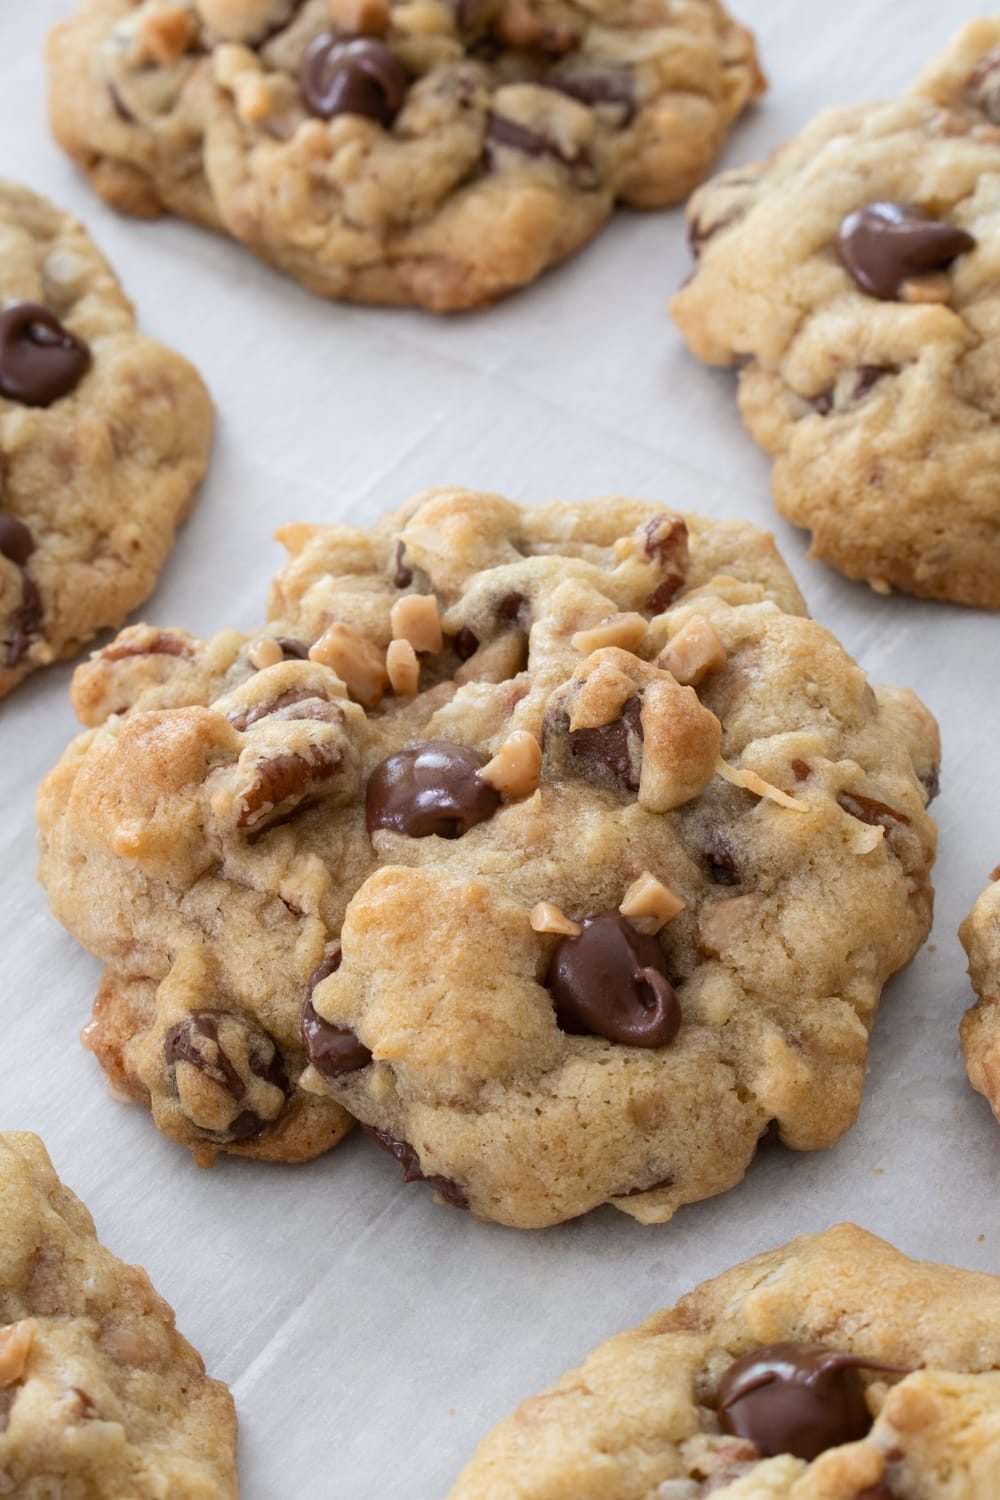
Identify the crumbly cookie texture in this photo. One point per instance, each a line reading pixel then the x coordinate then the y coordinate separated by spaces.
pixel 980 934
pixel 853 276
pixel 658 1413
pixel 104 436
pixel 609 878
pixel 100 1397
pixel 439 152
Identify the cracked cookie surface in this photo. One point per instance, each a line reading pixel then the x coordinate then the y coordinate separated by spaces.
pixel 651 1415
pixel 100 1397
pixel 587 849
pixel 439 152
pixel 853 277
pixel 104 437
pixel 980 934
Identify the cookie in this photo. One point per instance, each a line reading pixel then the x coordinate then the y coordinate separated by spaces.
pixel 567 850
pixel 853 278
pixel 100 1397
pixel 980 934
pixel 104 436
pixel 439 152
pixel 831 1369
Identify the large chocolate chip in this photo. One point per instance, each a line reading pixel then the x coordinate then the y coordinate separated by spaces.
pixel 611 981
pixel 16 542
pixel 410 1163
pixel 332 1050
pixel 433 788
pixel 40 360
pixel 357 76
pixel 797 1398
pixel 884 245
pixel 614 747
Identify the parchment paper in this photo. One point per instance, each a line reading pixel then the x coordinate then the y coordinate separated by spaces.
pixel 370 1336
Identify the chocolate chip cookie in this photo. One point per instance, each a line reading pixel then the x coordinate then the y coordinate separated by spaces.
pixel 980 934
pixel 439 152
pixel 831 1369
pixel 559 843
pixel 103 439
pixel 853 278
pixel 100 1397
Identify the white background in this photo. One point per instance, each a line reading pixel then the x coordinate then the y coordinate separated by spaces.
pixel 370 1336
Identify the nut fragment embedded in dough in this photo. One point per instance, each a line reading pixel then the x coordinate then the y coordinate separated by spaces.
pixel 546 917
pixel 693 653
pixel 360 17
pixel 649 904
pixel 15 1346
pixel 164 35
pixel 516 767
pixel 403 668
pixel 417 619
pixel 265 653
pixel 357 662
pixel 627 631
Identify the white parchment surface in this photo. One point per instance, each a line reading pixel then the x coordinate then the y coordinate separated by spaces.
pixel 370 1336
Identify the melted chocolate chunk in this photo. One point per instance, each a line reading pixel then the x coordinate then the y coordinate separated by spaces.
pixel 293 650
pixel 433 788
pixel 195 1040
pixel 26 622
pixel 410 1163
pixel 500 131
pixel 357 76
pixel 884 245
pixel 515 608
pixel 797 1398
pixel 185 1042
pixel 330 965
pixel 16 542
pixel 332 1050
pixel 403 575
pixel 880 1491
pixel 593 85
pixel 868 377
pixel 611 981
pixel 867 810
pixel 701 231
pixel 40 360
pixel 612 747
pixel 466 644
pixel 162 644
